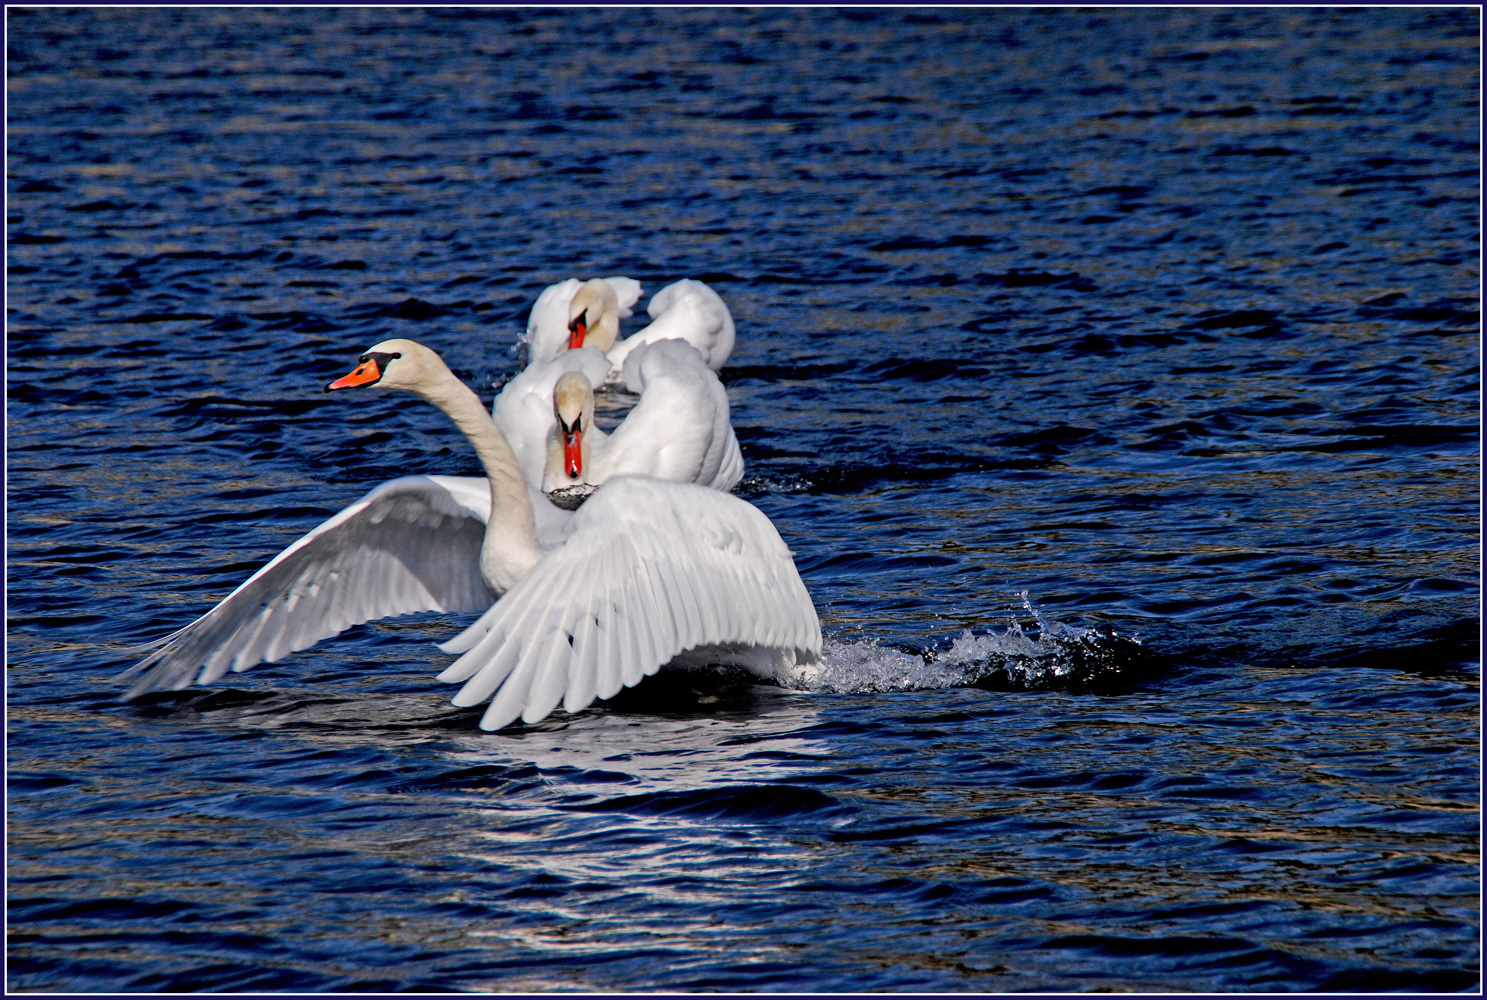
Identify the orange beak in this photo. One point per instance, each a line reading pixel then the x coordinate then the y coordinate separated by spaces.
pixel 576 334
pixel 573 454
pixel 366 373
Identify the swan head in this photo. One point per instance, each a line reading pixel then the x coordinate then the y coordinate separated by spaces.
pixel 593 316
pixel 573 405
pixel 396 364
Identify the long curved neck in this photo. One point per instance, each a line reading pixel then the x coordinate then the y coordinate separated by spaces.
pixel 510 548
pixel 605 332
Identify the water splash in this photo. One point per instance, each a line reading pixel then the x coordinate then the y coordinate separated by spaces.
pixel 1055 656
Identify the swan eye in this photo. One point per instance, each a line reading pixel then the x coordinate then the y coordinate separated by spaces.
pixel 581 320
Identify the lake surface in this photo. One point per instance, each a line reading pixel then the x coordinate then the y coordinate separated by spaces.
pixel 1112 374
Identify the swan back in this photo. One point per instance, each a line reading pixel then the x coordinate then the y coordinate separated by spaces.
pixel 680 430
pixel 685 310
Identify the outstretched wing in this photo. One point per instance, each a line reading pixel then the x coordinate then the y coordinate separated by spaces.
pixel 650 569
pixel 412 544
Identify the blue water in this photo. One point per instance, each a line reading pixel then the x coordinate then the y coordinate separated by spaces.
pixel 1167 320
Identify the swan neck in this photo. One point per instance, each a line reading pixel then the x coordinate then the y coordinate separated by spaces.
pixel 510 548
pixel 605 332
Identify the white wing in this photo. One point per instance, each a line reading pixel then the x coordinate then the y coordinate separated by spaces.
pixel 523 409
pixel 547 325
pixel 650 569
pixel 685 310
pixel 627 290
pixel 680 428
pixel 412 544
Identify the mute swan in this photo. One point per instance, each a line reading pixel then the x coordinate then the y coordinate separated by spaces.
pixel 548 333
pixel 678 431
pixel 684 310
pixel 646 572
pixel 523 408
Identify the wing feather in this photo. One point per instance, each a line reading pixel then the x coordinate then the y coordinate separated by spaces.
pixel 550 679
pixel 608 679
pixel 246 647
pixel 656 632
pixel 410 545
pixel 483 679
pixel 583 677
pixel 665 594
pixel 650 569
pixel 464 642
pixel 509 701
pixel 482 673
pixel 300 631
pixel 730 623
pixel 696 628
pixel 581 680
pixel 633 651
pixel 710 601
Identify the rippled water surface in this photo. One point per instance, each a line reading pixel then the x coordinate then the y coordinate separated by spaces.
pixel 1167 320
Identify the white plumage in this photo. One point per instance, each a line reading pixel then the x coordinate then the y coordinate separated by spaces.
pixel 680 429
pixel 523 408
pixel 649 570
pixel 684 310
pixel 547 324
pixel 646 571
pixel 412 544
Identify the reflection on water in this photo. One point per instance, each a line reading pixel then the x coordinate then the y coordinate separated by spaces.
pixel 639 750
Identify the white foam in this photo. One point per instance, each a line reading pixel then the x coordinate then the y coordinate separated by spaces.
pixel 1056 654
pixel 847 667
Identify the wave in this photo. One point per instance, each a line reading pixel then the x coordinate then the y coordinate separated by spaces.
pixel 1054 656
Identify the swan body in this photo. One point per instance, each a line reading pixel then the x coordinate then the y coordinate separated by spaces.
pixel 647 571
pixel 678 431
pixel 548 334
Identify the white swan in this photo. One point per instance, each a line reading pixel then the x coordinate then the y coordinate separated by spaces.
pixel 684 310
pixel 523 409
pixel 548 333
pixel 678 431
pixel 646 572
